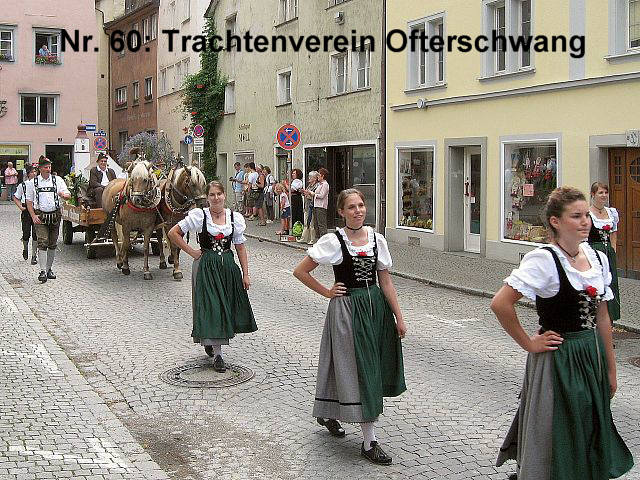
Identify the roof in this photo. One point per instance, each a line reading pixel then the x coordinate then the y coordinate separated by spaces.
pixel 148 5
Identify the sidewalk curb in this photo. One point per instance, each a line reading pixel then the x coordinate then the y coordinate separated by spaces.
pixel 434 283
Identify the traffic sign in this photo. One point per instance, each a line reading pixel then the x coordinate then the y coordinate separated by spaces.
pixel 198 148
pixel 100 143
pixel 198 131
pixel 90 127
pixel 100 133
pixel 288 136
pixel 198 141
pixel 188 139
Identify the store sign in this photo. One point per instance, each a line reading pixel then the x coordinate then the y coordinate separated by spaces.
pixel 14 150
pixel 633 138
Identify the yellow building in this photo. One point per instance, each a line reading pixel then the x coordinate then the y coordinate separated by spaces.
pixel 476 140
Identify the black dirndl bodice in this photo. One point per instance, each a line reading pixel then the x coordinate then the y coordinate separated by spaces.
pixel 356 271
pixel 597 234
pixel 569 310
pixel 218 243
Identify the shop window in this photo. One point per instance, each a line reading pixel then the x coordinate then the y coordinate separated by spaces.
pixel 47 46
pixel 530 175
pixel 415 187
pixel 38 109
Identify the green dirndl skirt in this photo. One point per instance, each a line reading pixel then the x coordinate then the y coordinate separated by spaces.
pixel 613 306
pixel 221 305
pixel 563 429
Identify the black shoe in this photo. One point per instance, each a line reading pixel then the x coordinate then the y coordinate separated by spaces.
pixel 51 275
pixel 25 254
pixel 513 476
pixel 34 260
pixel 375 454
pixel 218 364
pixel 333 426
pixel 208 349
pixel 42 277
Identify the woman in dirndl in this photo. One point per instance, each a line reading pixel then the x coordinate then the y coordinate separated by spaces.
pixel 563 429
pixel 221 305
pixel 603 237
pixel 361 352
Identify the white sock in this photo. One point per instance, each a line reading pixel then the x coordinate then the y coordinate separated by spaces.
pixel 42 259
pixel 51 254
pixel 217 350
pixel 369 434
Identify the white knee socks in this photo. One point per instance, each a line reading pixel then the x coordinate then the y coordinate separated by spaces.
pixel 51 254
pixel 369 434
pixel 217 350
pixel 42 260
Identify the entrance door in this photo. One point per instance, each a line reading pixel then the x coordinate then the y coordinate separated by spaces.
pixel 624 195
pixel 472 199
pixel 340 170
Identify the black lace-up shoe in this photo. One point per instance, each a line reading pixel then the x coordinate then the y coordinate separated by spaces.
pixel 42 277
pixel 333 426
pixel 375 454
pixel 51 275
pixel 218 364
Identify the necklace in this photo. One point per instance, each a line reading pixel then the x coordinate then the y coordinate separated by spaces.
pixel 217 213
pixel 571 257
pixel 601 210
pixel 354 229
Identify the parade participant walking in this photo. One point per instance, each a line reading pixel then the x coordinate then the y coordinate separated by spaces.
pixel 564 428
pixel 10 180
pixel 603 237
pixel 43 203
pixel 99 177
pixel 221 305
pixel 361 352
pixel 320 203
pixel 28 229
pixel 238 188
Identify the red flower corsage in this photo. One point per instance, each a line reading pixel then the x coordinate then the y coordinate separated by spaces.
pixel 219 236
pixel 606 228
pixel 362 254
pixel 591 291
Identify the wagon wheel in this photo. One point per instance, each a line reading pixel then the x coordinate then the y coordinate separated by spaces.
pixel 89 236
pixel 67 232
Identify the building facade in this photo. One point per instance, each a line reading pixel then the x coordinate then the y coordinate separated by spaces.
pixel 39 107
pixel 132 73
pixel 332 97
pixel 477 140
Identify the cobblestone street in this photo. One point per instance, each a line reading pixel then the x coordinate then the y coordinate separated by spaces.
pixel 81 395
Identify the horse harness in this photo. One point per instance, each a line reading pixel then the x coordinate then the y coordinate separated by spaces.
pixel 47 218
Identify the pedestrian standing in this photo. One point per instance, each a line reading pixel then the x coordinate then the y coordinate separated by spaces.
pixel 44 206
pixel 297 210
pixel 252 191
pixel 285 209
pixel 563 428
pixel 237 186
pixel 221 305
pixel 361 353
pixel 270 181
pixel 320 203
pixel 603 237
pixel 258 209
pixel 308 233
pixel 28 229
pixel 10 180
pixel 245 190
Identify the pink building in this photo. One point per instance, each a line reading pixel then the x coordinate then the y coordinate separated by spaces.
pixel 45 92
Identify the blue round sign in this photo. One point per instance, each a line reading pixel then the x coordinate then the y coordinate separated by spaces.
pixel 188 139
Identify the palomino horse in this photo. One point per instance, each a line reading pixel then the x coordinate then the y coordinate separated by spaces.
pixel 184 188
pixel 137 199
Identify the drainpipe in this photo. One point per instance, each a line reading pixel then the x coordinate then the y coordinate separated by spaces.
pixel 382 144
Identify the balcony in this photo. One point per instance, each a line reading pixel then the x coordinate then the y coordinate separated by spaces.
pixel 51 59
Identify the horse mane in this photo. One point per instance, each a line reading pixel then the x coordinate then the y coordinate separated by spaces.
pixel 197 177
pixel 140 170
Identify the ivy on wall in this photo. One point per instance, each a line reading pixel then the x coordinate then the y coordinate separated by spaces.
pixel 203 101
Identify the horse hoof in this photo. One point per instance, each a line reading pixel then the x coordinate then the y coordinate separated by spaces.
pixel 163 266
pixel 177 276
pixel 148 276
pixel 119 265
pixel 126 271
pixel 170 259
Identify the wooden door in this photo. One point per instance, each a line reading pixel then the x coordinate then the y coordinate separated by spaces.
pixel 617 199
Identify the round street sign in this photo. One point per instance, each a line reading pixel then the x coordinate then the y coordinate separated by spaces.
pixel 100 143
pixel 288 136
pixel 188 139
pixel 198 131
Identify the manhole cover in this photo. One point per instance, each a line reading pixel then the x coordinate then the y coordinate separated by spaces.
pixel 202 375
pixel 635 361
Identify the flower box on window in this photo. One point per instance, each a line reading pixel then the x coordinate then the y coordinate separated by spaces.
pixel 121 104
pixel 5 57
pixel 51 59
pixel 148 97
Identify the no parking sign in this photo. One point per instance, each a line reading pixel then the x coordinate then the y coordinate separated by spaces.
pixel 100 143
pixel 288 136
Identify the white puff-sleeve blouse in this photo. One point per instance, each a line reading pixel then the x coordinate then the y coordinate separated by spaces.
pixel 327 251
pixel 193 223
pixel 537 274
pixel 613 219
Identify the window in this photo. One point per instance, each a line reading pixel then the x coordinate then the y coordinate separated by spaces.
pixel 146 30
pixel 134 38
pixel 530 174
pixel 415 187
pixel 427 68
pixel 136 92
pixel 284 87
pixel 154 26
pixel 47 46
pixel 172 14
pixel 186 10
pixel 38 109
pixel 499 26
pixel 148 88
pixel 338 73
pixel 362 68
pixel 163 81
pixel 230 98
pixel 170 76
pixel 230 24
pixel 121 97
pixel 122 139
pixel 525 31
pixel 6 45
pixel 288 10
pixel 634 23
pixel 177 79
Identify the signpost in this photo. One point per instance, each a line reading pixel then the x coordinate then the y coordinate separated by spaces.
pixel 90 127
pixel 198 131
pixel 288 137
pixel 198 142
pixel 188 139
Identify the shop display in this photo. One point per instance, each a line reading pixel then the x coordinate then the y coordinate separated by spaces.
pixel 416 189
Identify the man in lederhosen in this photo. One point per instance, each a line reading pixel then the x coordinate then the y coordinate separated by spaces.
pixel 99 177
pixel 43 203
pixel 28 229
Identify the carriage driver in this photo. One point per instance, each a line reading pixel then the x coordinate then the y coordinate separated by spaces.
pixel 43 203
pixel 99 177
